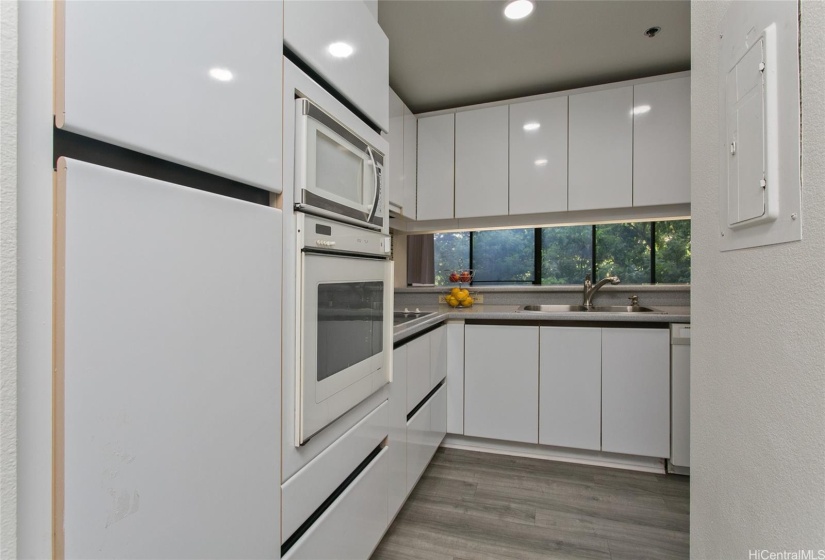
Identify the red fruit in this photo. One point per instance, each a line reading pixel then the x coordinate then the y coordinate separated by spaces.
pixel 453 277
pixel 465 276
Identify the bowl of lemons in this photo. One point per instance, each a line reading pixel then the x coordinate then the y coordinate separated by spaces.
pixel 459 297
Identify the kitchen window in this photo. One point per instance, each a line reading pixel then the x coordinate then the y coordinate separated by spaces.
pixel 637 252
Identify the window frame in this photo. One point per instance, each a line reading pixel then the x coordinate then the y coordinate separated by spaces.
pixel 537 257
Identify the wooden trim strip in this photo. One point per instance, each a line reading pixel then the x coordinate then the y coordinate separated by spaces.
pixel 58 361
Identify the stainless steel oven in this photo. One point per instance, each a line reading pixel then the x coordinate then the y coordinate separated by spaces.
pixel 344 322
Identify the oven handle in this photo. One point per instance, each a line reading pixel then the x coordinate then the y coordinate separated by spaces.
pixel 377 185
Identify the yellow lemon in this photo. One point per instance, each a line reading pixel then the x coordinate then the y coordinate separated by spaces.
pixel 467 302
pixel 452 302
pixel 454 292
pixel 463 294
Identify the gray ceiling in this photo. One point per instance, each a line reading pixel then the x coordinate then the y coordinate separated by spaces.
pixel 450 53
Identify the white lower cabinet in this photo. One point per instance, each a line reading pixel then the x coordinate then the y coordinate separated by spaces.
pixel 355 522
pixel 636 391
pixel 438 355
pixel 418 370
pixel 425 430
pixel 501 382
pixel 398 431
pixel 570 381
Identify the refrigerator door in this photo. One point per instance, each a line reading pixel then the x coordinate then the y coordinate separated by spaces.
pixel 167 369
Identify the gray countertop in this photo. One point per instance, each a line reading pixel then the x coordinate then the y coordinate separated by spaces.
pixel 665 314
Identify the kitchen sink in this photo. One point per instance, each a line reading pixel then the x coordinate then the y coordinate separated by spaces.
pixel 583 309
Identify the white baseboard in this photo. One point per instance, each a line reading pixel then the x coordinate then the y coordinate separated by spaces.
pixel 584 457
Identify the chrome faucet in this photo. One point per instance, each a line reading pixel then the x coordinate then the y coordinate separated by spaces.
pixel 590 290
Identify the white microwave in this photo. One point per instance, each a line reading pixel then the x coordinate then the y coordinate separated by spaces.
pixel 338 174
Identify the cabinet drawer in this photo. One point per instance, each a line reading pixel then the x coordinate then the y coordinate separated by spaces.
pixel 418 371
pixel 425 430
pixel 306 491
pixel 354 524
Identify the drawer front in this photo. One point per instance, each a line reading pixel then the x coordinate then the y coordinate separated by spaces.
pixel 418 371
pixel 306 491
pixel 353 525
pixel 425 431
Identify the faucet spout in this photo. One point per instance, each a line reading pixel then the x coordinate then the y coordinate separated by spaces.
pixel 590 289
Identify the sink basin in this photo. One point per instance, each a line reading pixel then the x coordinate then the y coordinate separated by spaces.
pixel 553 308
pixel 583 309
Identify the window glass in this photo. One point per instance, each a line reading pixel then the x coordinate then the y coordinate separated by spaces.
pixel 451 251
pixel 673 252
pixel 566 254
pixel 504 256
pixel 623 250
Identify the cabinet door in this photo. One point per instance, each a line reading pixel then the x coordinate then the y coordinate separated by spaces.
pixel 418 370
pixel 151 77
pixel 481 161
pixel 501 377
pixel 395 138
pixel 408 199
pixel 397 433
pixel 436 167
pixel 311 27
pixel 570 387
pixel 438 355
pixel 538 156
pixel 636 391
pixel 455 378
pixel 601 149
pixel 661 142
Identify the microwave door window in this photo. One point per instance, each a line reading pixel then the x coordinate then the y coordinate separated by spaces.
pixel 350 325
pixel 339 170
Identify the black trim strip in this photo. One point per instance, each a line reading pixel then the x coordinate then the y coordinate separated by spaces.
pixel 419 334
pixel 344 254
pixel 77 146
pixel 305 526
pixel 308 70
pixel 424 401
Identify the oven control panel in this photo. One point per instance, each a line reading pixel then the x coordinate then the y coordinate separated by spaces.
pixel 329 235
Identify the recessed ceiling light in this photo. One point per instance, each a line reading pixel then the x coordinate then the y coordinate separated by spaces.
pixel 641 109
pixel 340 50
pixel 518 9
pixel 540 162
pixel 221 74
pixel 531 126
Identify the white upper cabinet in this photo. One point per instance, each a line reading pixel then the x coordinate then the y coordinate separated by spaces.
pixel 538 156
pixel 343 42
pixel 195 83
pixel 395 137
pixel 481 143
pixel 601 149
pixel 402 138
pixel 661 142
pixel 409 196
pixel 436 167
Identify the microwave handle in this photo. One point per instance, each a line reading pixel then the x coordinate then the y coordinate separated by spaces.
pixel 377 186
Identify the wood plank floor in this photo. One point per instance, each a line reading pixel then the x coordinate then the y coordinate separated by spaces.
pixel 471 505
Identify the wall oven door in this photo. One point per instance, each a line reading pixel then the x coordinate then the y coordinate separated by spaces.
pixel 338 174
pixel 345 335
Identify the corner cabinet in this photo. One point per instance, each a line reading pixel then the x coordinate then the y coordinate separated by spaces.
pixel 601 149
pixel 481 162
pixel 402 138
pixel 501 380
pixel 661 142
pixel 436 167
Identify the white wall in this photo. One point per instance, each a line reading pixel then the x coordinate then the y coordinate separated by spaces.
pixel 8 280
pixel 758 354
